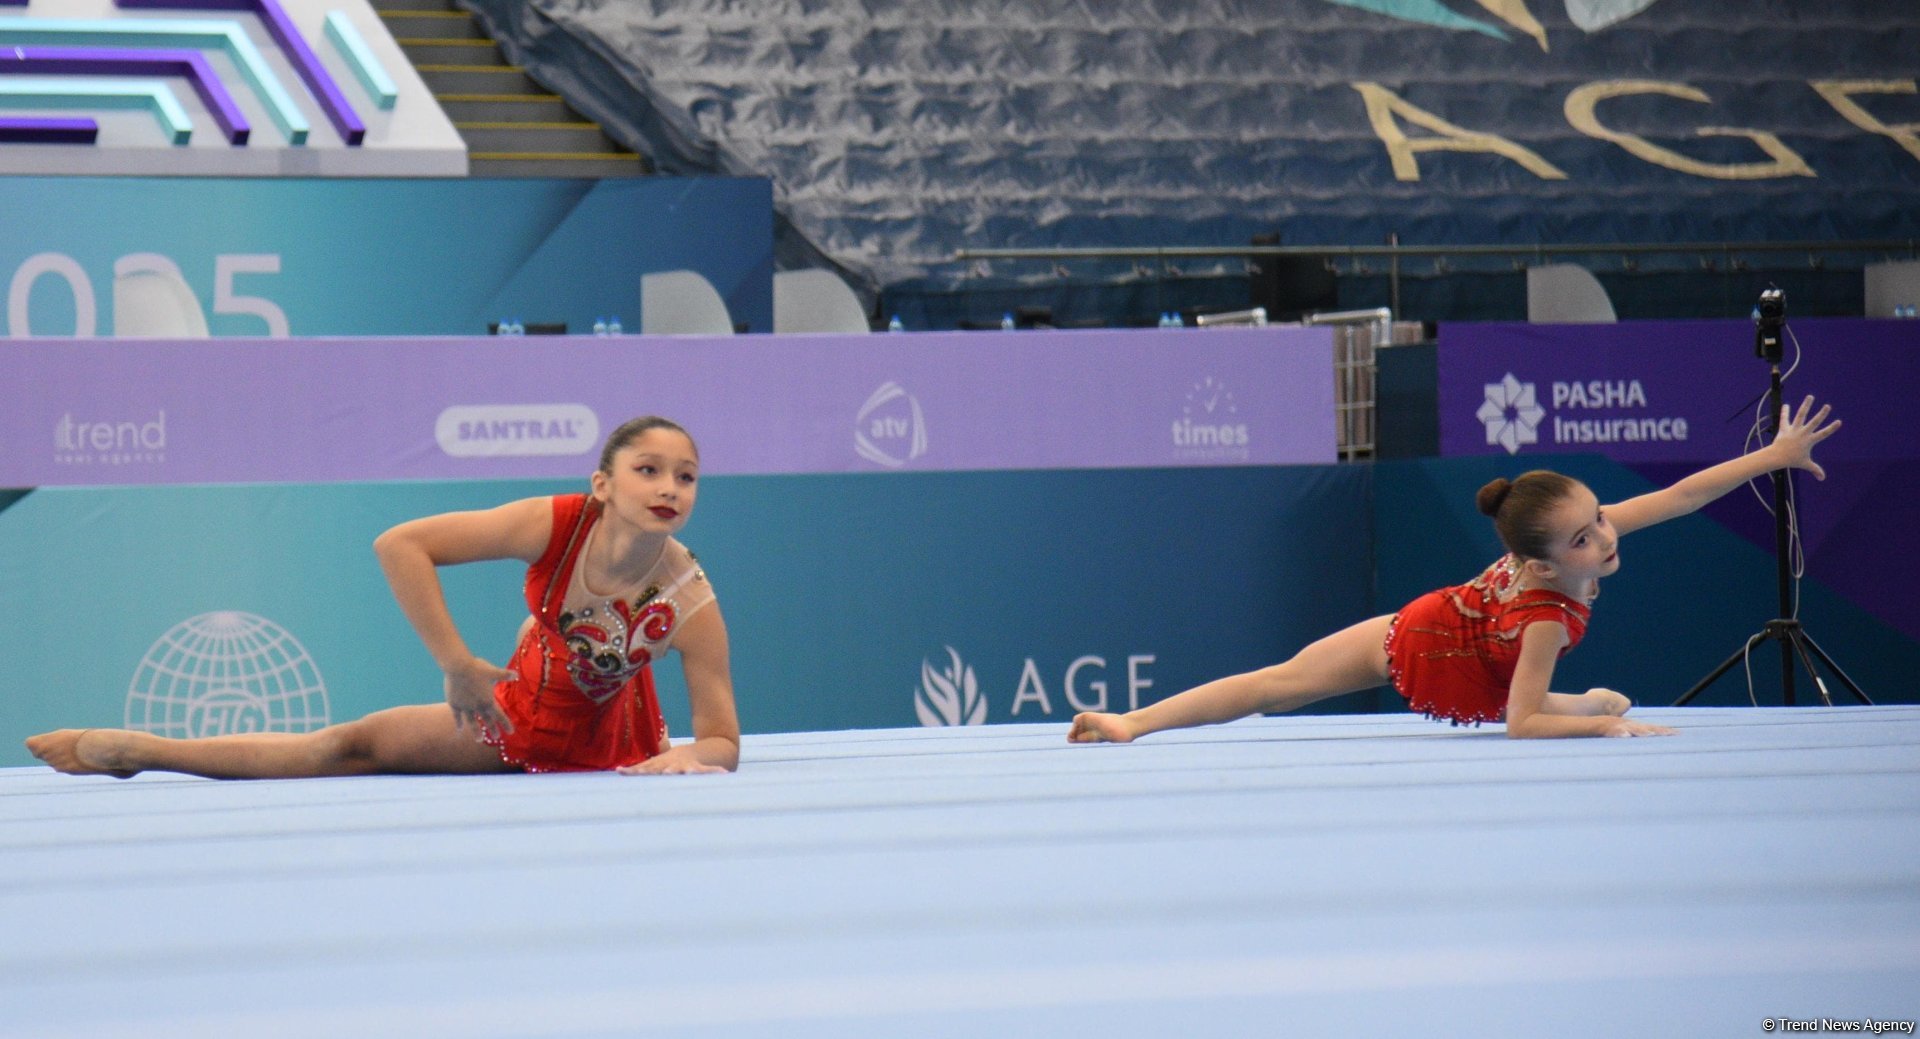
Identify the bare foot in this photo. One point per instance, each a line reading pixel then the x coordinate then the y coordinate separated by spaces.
pixel 104 755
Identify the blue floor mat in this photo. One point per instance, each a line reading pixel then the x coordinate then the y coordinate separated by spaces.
pixel 1376 874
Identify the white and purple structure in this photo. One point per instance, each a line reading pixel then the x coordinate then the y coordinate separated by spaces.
pixel 325 75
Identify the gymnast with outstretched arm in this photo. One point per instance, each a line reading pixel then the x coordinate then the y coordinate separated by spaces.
pixel 1485 650
pixel 609 591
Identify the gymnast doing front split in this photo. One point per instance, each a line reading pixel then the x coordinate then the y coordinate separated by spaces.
pixel 609 591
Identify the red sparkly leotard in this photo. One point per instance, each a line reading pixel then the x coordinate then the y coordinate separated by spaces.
pixel 1452 652
pixel 584 698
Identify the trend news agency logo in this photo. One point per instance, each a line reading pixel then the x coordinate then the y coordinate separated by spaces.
pixel 890 429
pixel 951 696
pixel 1511 414
pixel 226 672
pixel 110 442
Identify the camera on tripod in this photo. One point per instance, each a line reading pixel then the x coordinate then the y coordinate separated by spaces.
pixel 1769 316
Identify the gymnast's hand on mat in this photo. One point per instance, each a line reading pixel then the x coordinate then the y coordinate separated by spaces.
pixel 470 694
pixel 1623 727
pixel 680 761
pixel 1099 727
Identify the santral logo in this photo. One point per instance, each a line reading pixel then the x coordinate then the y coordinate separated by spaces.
pixel 890 429
pixel 496 430
pixel 1511 414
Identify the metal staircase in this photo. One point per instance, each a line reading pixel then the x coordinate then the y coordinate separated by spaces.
pixel 513 126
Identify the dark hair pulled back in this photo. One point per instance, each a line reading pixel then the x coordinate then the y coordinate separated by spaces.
pixel 631 430
pixel 1519 508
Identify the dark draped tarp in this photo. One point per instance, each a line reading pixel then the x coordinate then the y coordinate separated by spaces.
pixel 898 131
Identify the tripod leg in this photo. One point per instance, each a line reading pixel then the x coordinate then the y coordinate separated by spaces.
pixel 1794 639
pixel 1835 668
pixel 1714 675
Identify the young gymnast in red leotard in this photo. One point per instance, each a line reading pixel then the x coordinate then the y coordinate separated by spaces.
pixel 1485 650
pixel 609 590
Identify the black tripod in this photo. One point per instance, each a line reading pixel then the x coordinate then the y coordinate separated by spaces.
pixel 1785 628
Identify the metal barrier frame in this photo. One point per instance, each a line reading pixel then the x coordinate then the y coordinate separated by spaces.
pixel 1728 253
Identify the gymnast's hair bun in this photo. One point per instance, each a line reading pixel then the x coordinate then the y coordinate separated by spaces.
pixel 1493 495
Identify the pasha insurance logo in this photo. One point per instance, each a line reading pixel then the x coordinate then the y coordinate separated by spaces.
pixel 1209 426
pixel 116 441
pixel 496 430
pixel 949 695
pixel 1583 412
pixel 890 429
pixel 1511 414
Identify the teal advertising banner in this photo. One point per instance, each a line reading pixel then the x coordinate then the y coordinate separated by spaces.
pixel 852 600
pixel 856 600
pixel 190 257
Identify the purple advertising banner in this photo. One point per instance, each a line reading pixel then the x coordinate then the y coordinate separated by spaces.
pixel 312 410
pixel 1669 391
pixel 1668 398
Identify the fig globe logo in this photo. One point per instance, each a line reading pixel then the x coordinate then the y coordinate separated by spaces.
pixel 950 696
pixel 226 672
pixel 1511 414
pixel 890 429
